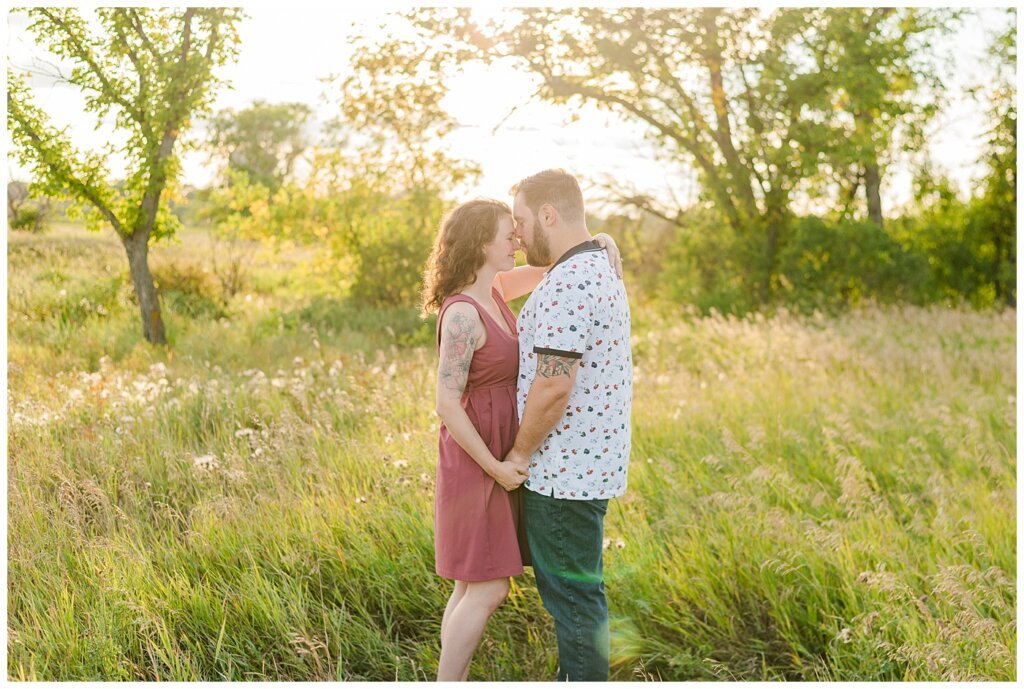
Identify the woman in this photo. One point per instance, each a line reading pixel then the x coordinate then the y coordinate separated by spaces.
pixel 469 278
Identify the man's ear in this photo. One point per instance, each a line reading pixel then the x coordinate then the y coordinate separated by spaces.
pixel 547 214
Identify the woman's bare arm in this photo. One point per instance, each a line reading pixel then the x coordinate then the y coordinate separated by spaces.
pixel 521 280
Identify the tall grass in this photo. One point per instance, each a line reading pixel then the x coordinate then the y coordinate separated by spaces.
pixel 828 499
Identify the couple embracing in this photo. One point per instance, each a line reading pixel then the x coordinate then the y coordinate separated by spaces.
pixel 535 413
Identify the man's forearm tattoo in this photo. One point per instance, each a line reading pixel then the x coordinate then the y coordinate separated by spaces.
pixel 551 365
pixel 458 352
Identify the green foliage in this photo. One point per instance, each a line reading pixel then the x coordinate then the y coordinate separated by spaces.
pixel 764 105
pixel 387 239
pixel 392 130
pixel 135 69
pixel 996 209
pixel 399 324
pixel 27 209
pixel 706 265
pixel 29 219
pixel 879 85
pixel 262 140
pixel 152 69
pixel 377 188
pixel 188 289
pixel 969 245
pixel 829 266
pixel 824 265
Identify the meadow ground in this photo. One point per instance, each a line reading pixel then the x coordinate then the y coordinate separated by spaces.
pixel 809 498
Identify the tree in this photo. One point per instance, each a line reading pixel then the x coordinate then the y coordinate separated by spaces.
pixel 718 89
pixel 999 192
pixel 384 185
pixel 745 96
pixel 154 70
pixel 877 83
pixel 24 212
pixel 263 140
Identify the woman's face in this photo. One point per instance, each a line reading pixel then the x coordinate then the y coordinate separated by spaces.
pixel 500 252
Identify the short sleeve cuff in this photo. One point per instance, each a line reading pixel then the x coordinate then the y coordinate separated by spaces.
pixel 558 352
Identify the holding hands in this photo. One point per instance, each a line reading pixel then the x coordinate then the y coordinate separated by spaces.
pixel 511 472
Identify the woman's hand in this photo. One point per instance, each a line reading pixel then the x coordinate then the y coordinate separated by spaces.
pixel 606 242
pixel 508 475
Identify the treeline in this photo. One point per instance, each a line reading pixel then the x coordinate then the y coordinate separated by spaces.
pixel 777 111
pixel 805 107
pixel 943 249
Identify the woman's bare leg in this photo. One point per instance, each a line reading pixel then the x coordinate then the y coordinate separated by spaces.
pixel 457 593
pixel 465 626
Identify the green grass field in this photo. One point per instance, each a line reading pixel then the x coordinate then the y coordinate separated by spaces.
pixel 809 498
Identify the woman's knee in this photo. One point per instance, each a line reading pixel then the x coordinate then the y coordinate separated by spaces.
pixel 490 593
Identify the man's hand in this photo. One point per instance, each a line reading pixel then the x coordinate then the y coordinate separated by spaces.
pixel 516 458
pixel 510 475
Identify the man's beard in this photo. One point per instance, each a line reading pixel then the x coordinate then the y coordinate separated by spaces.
pixel 538 253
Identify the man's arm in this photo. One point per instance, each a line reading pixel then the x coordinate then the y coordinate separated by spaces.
pixel 545 403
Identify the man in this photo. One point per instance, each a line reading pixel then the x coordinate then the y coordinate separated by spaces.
pixel 574 397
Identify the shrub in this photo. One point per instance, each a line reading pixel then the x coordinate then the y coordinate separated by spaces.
pixel 188 289
pixel 829 266
pixel 29 219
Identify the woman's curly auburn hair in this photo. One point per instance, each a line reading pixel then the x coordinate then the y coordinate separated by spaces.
pixel 458 250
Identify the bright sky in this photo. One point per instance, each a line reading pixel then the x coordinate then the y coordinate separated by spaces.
pixel 286 51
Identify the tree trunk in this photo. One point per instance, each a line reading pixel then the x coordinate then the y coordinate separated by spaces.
pixel 872 173
pixel 137 248
pixel 872 187
pixel 773 220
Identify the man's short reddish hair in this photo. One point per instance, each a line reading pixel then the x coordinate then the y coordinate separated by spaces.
pixel 557 187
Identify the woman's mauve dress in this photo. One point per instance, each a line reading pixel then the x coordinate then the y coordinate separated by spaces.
pixel 478 530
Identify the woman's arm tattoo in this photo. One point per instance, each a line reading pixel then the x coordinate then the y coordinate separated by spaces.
pixel 459 341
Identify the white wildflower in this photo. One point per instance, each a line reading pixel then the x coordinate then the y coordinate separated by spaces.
pixel 205 462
